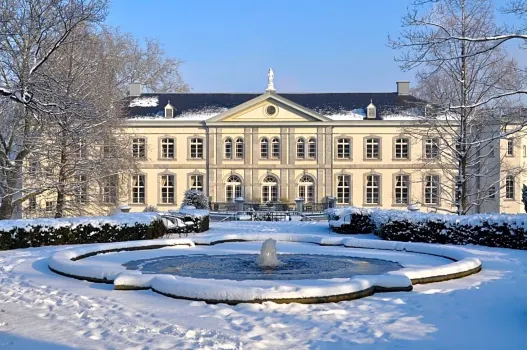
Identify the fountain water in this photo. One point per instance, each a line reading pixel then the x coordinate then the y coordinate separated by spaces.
pixel 267 258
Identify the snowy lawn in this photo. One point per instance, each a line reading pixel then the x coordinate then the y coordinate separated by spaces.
pixel 39 309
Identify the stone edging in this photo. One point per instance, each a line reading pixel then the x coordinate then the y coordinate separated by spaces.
pixel 66 263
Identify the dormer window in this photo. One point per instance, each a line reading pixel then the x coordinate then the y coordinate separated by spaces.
pixel 169 111
pixel 371 111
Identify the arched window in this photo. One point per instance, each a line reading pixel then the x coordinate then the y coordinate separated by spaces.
pixel 238 148
pixel 275 144
pixel 264 148
pixel 233 188
pixel 312 148
pixel 306 188
pixel 270 189
pixel 228 148
pixel 301 148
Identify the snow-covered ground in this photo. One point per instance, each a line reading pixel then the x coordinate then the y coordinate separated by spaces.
pixel 41 310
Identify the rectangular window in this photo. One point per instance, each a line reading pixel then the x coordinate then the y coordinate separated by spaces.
pixel 167 189
pixel 32 168
pixel 432 148
pixel 510 148
pixel 402 147
pixel 373 148
pixel 32 204
pixel 372 189
pixel 49 206
pixel 492 192
pixel 432 189
pixel 138 189
pixel 109 190
pixel 107 150
pixel 139 148
pixel 343 189
pixel 264 148
pixel 81 189
pixel 196 148
pixel 300 148
pixel 167 148
pixel 196 182
pixel 402 189
pixel 509 187
pixel 343 148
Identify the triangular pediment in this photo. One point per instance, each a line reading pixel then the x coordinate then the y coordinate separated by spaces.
pixel 266 108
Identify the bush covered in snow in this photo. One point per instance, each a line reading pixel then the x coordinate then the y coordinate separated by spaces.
pixel 493 230
pixel 196 199
pixel 150 209
pixel 200 217
pixel 16 234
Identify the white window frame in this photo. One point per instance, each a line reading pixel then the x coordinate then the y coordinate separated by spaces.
pixel 343 190
pixel 312 148
pixel 373 189
pixel 432 188
pixel 233 188
pixel 401 189
pixel 509 187
pixel 270 191
pixel 373 148
pixel 196 148
pixel 432 148
pixel 343 148
pixel 196 182
pixel 227 148
pixel 264 148
pixel 239 148
pixel 275 147
pixel 400 144
pixel 168 148
pixel 138 189
pixel 139 148
pixel 167 189
pixel 301 148
pixel 306 189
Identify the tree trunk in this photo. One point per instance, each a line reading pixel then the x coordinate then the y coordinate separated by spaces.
pixel 61 196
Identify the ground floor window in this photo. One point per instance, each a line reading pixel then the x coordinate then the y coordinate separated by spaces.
pixel 233 188
pixel 167 189
pixel 373 189
pixel 306 189
pixel 270 189
pixel 432 189
pixel 138 189
pixel 343 189
pixel 401 190
pixel 196 182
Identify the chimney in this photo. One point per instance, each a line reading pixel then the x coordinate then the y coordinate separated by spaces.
pixel 403 88
pixel 135 89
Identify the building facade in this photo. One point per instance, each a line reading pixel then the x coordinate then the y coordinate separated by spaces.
pixel 273 147
pixel 277 147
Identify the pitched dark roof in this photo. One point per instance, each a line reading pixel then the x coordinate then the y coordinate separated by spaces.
pixel 323 103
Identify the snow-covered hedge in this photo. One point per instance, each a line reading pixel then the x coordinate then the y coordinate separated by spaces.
pixel 103 229
pixel 492 230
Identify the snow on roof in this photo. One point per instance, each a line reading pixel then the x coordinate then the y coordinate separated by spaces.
pixel 145 101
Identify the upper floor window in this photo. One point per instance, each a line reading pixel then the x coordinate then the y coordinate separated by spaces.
pixel 275 147
pixel 343 148
pixel 238 148
pixel 196 182
pixel 196 148
pixel 510 148
pixel 312 148
pixel 32 168
pixel 373 150
pixel 431 148
pixel 167 189
pixel 167 148
pixel 509 187
pixel 264 148
pixel 373 189
pixel 139 148
pixel 402 148
pixel 228 148
pixel 301 148
pixel 138 189
pixel 107 150
pixel 432 189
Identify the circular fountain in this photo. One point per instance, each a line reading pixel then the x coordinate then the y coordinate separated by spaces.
pixel 292 276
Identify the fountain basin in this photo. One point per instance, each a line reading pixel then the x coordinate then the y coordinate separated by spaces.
pixel 240 267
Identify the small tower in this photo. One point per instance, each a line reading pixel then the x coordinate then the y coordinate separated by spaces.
pixel 371 111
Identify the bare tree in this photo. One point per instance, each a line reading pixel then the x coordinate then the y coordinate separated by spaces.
pixel 471 87
pixel 31 32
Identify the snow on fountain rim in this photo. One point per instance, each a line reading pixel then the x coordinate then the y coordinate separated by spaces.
pixel 228 290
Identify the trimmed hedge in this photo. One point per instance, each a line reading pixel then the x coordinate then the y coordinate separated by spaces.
pixel 43 234
pixel 496 230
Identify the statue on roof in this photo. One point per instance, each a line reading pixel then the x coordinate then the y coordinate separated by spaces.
pixel 270 80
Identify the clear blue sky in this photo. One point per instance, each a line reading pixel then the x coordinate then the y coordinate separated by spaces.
pixel 312 45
